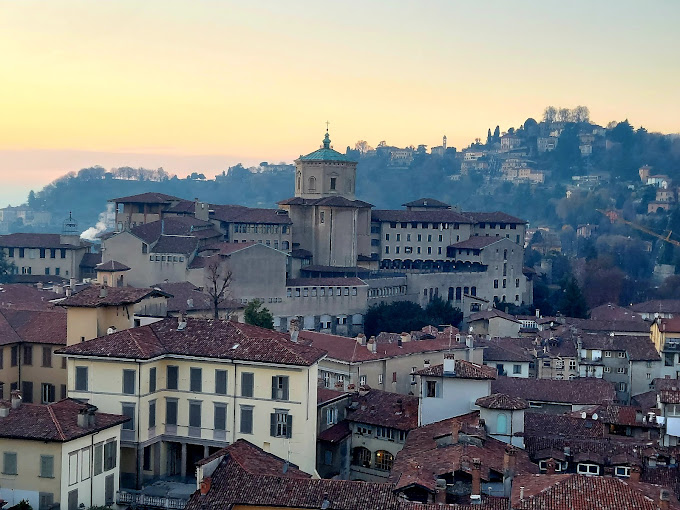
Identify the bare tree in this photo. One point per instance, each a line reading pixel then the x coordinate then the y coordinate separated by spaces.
pixel 549 114
pixel 218 278
pixel 581 114
pixel 563 115
pixel 362 146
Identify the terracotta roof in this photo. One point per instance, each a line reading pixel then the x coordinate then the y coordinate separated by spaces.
pixel 638 348
pixel 385 409
pixel 611 312
pixel 427 202
pixel 300 253
pixel 580 492
pixel 183 245
pixel 658 306
pixel 669 325
pixel 147 198
pixel 463 370
pixel 646 400
pixel 429 452
pixel 111 266
pixel 326 395
pixel 240 214
pixel 490 314
pixel 560 425
pixel 669 397
pixel 32 326
pixel 95 296
pixel 577 391
pixel 632 326
pixel 326 282
pixel 174 226
pixel 57 422
pixel 433 216
pixel 477 242
pixel 336 433
pixel 326 202
pixel 34 240
pixel 501 401
pixel 26 297
pixel 493 217
pixel 505 351
pixel 186 297
pixel 208 338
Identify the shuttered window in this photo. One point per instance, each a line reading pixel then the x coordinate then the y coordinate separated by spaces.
pixel 9 463
pixel 98 459
pixel 152 414
pixel 221 382
pixel 152 379
pixel 196 379
pixel 220 417
pixel 108 490
pixel 81 378
pixel 129 382
pixel 47 356
pixel 246 420
pixel 280 387
pixel 247 383
pixel 281 424
pixel 110 453
pixel 171 411
pixel 195 414
pixel 27 392
pixel 129 411
pixel 172 377
pixel 46 501
pixel 46 466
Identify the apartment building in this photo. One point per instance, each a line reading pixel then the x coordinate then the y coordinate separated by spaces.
pixel 665 334
pixel 140 209
pixel 62 455
pixel 190 386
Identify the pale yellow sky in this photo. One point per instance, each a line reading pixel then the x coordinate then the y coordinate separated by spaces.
pixel 256 80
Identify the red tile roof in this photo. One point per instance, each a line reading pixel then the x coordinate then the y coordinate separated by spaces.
pixel 490 314
pixel 326 395
pixel 33 240
pixel 618 326
pixel 182 245
pixel 147 198
pixel 384 409
pixel 560 425
pixel 32 326
pixel 611 312
pixel 579 492
pixel 186 297
pixel 463 370
pixel 26 297
pixel 493 217
pixel 336 433
pixel 669 325
pixel 175 226
pixel 240 214
pixel 57 422
pixel 427 202
pixel 111 266
pixel 433 216
pixel 658 306
pixel 326 202
pixel 577 391
pixel 500 401
pixel 638 348
pixel 211 338
pixel 96 296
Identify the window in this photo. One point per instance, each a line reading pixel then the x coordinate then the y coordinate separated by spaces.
pixel 152 379
pixel 607 370
pixel 48 393
pixel 47 356
pixel 607 354
pixel 502 424
pixel 246 420
pixel 46 501
pixel 98 459
pixel 85 463
pixel 172 377
pixel 572 364
pixel 9 463
pixel 495 284
pixel 194 414
pixel 28 355
pixel 171 411
pixel 383 460
pixel 312 184
pixel 333 182
pixel 622 354
pixel 622 471
pixel 622 386
pixel 398 237
pixel 432 389
pixel 195 379
pixel 281 424
pixel 517 283
pixel 326 380
pixel 73 468
pixel 27 391
pixel 384 433
pixel 559 364
pixel 380 378
pixel 129 382
pixel 546 363
pixel 331 415
pixel 129 412
pixel 328 458
pixel 247 383
pixel 110 452
pixel 516 369
pixel 15 355
pixel 152 414
pixel 280 387
pixel 361 457
pixel 220 422
pixel 221 382
pixel 622 370
pixel 588 469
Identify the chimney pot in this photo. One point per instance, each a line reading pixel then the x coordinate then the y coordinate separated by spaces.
pixel 550 466
pixel 294 329
pixel 476 493
pixel 205 485
pixel 634 474
pixel 455 431
pixel 16 398
pixel 440 492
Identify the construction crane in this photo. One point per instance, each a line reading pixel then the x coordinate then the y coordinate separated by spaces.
pixel 614 216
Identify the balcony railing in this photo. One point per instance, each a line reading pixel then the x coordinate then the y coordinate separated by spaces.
pixel 136 498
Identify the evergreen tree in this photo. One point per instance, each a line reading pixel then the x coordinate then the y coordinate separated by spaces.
pixel 439 312
pixel 489 138
pixel 573 304
pixel 257 316
pixel 497 135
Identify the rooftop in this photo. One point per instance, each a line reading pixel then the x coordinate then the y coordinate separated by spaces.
pixel 186 297
pixel 427 202
pixel 46 326
pixel 57 422
pixel 433 216
pixel 147 198
pixel 490 314
pixel 611 312
pixel 95 296
pixel 658 306
pixel 477 242
pixel 463 370
pixel 638 348
pixel 34 240
pixel 205 338
pixel 577 391
pixel 501 401
pixel 326 153
pixel 383 408
pixel 26 297
pixel 111 266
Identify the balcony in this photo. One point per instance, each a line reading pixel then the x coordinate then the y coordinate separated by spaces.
pixel 162 494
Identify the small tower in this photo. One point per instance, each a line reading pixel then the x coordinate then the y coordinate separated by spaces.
pixel 444 143
pixel 69 231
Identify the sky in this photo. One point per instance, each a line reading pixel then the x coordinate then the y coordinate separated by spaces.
pixel 202 85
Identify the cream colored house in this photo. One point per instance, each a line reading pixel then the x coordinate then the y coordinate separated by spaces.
pixel 63 454
pixel 191 387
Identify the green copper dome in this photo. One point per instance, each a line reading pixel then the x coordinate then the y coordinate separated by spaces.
pixel 326 153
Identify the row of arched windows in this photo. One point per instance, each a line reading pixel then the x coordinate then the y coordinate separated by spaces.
pixel 363 457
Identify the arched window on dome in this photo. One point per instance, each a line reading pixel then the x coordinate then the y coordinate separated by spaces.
pixel 299 181
pixel 312 183
pixel 502 424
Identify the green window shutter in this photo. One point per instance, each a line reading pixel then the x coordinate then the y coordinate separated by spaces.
pixel 285 387
pixel 289 423
pixel 272 428
pixel 275 387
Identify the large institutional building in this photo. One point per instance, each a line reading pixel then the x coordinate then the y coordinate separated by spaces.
pixel 323 256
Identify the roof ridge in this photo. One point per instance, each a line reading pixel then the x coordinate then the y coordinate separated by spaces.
pixel 60 431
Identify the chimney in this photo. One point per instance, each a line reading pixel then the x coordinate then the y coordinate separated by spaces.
pixel 449 364
pixel 4 411
pixel 455 432
pixel 68 291
pixel 83 421
pixel 664 499
pixel 521 493
pixel 405 337
pixel 361 339
pixel 372 344
pixel 15 398
pixel 39 285
pixel 634 474
pixel 294 329
pixel 103 291
pixel 205 485
pixel 538 313
pixel 72 283
pixel 476 493
pixel 440 492
pixel 550 466
pixel 509 461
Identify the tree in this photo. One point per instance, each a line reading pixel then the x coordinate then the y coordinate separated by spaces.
pixel 489 137
pixel 440 312
pixel 497 135
pixel 6 267
pixel 573 304
pixel 218 279
pixel 549 114
pixel 257 316
pixel 563 115
pixel 395 317
pixel 581 114
pixel 362 146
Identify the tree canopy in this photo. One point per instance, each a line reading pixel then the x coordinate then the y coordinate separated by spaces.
pixel 257 316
